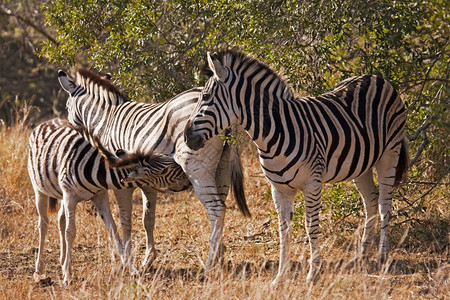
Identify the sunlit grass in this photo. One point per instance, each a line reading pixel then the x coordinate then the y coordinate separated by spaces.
pixel 182 233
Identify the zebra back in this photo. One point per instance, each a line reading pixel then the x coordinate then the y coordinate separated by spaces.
pixel 62 159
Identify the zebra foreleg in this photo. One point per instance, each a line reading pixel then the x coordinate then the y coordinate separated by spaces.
pixel 215 208
pixel 148 219
pixel 69 204
pixel 283 199
pixel 42 208
pixel 386 168
pixel 101 203
pixel 369 193
pixel 62 234
pixel 312 194
pixel 125 203
pixel 223 181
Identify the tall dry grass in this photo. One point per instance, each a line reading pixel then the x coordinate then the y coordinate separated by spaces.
pixel 418 265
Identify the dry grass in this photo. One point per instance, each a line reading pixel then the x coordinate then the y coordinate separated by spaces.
pixel 418 269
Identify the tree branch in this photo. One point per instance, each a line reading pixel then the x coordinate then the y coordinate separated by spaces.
pixel 6 11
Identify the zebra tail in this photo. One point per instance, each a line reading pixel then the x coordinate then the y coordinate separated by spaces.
pixel 403 163
pixel 52 205
pixel 237 182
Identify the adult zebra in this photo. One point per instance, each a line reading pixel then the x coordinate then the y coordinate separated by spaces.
pixel 123 124
pixel 303 142
pixel 63 164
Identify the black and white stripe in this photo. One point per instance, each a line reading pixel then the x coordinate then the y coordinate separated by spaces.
pixel 63 164
pixel 305 141
pixel 123 124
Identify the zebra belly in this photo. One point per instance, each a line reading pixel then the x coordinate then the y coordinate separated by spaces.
pixel 337 172
pixel 49 190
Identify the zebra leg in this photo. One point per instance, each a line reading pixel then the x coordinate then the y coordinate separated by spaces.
pixel 216 211
pixel 215 207
pixel 201 168
pixel 369 193
pixel 149 197
pixel 386 168
pixel 312 194
pixel 62 233
pixel 125 203
pixel 223 181
pixel 101 203
pixel 283 199
pixel 69 207
pixel 42 209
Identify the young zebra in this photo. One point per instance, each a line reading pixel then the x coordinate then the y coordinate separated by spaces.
pixel 303 142
pixel 63 164
pixel 123 124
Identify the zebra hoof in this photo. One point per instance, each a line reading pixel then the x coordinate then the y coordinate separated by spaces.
pixel 42 279
pixel 276 282
pixel 382 260
pixel 313 275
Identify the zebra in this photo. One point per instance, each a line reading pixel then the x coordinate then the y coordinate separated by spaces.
pixel 123 124
pixel 63 164
pixel 303 142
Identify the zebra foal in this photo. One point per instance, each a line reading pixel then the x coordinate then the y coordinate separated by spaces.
pixel 63 164
pixel 303 142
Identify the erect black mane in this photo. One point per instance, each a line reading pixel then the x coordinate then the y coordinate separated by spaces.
pixel 101 81
pixel 234 59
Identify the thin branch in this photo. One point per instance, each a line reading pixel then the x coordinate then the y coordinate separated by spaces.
pixel 6 11
pixel 422 132
pixel 419 95
pixel 410 204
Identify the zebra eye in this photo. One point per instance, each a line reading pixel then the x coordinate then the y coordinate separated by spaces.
pixel 205 96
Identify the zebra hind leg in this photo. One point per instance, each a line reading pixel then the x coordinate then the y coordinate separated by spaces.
pixel 369 193
pixel 386 168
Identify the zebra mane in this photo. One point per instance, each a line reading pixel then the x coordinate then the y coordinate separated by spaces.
pixel 112 161
pixel 95 84
pixel 238 61
pixel 87 134
pixel 119 160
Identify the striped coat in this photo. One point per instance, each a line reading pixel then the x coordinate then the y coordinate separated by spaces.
pixel 303 142
pixel 122 124
pixel 63 164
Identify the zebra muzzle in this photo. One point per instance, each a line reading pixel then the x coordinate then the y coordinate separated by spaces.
pixel 193 140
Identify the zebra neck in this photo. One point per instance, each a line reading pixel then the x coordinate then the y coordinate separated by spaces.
pixel 264 118
pixel 99 121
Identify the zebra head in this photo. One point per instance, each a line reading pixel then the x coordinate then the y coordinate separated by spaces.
pixel 148 167
pixel 158 171
pixel 73 89
pixel 214 112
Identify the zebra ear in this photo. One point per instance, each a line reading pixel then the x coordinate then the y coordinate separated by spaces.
pixel 219 71
pixel 66 83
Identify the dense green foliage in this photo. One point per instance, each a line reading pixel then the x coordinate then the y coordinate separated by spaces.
pixel 155 49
